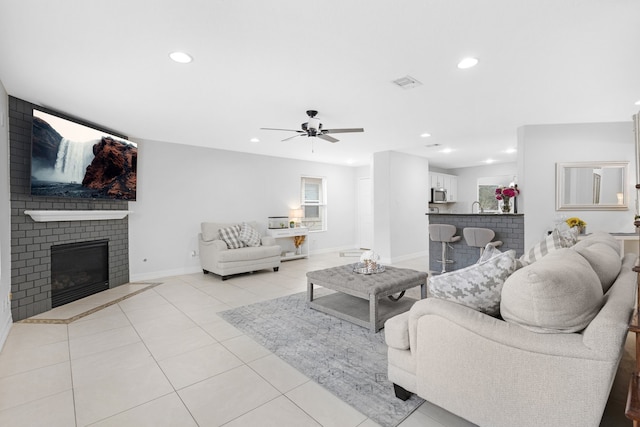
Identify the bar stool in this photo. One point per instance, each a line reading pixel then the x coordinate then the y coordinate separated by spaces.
pixel 480 237
pixel 443 233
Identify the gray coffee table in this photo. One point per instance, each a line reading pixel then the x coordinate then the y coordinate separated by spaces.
pixel 363 298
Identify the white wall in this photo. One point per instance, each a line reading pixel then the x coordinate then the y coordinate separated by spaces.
pixel 468 182
pixel 5 220
pixel 400 194
pixel 181 186
pixel 540 147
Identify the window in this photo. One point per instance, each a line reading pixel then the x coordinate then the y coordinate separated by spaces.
pixel 487 191
pixel 313 201
pixel 487 197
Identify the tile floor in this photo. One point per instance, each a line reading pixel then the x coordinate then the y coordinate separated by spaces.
pixel 163 357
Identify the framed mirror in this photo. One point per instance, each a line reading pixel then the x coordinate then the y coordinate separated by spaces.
pixel 592 186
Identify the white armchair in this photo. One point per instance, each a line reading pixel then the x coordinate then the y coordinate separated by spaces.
pixel 217 258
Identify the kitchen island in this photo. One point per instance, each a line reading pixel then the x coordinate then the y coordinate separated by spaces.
pixel 509 229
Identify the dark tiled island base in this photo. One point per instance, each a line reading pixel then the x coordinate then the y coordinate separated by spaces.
pixel 509 228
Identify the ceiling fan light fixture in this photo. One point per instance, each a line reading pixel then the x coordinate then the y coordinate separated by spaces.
pixel 180 57
pixel 468 63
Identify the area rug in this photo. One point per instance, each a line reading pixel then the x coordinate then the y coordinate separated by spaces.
pixel 346 359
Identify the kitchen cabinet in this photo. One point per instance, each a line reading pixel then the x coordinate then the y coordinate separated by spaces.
pixel 446 181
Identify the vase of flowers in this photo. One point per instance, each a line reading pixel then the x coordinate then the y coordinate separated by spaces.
pixel 574 221
pixel 505 194
pixel 297 242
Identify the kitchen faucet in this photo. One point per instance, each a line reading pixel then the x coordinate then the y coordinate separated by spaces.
pixel 479 207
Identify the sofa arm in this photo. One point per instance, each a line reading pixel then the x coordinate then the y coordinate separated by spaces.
pixel 213 245
pixel 268 241
pixel 396 331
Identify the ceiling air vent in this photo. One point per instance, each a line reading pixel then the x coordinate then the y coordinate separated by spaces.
pixel 407 82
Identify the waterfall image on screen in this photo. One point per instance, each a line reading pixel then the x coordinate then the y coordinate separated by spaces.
pixel 69 159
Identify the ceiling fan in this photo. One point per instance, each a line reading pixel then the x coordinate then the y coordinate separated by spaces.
pixel 313 127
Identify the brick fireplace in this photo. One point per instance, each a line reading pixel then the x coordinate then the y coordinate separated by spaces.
pixel 31 240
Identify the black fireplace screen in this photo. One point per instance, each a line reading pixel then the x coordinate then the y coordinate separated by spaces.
pixel 78 270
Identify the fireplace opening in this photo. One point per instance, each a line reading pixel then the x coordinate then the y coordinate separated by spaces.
pixel 78 270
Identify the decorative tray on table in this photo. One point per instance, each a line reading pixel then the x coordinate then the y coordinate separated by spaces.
pixel 365 268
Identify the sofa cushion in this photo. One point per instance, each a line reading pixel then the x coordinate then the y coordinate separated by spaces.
pixel 231 236
pixel 477 286
pixel 248 235
pixel 558 294
pixel 604 260
pixel 603 237
pixel 549 244
pixel 249 254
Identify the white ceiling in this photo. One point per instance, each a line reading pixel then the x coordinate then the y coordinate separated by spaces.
pixel 264 63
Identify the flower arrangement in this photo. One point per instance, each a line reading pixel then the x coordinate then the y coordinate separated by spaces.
pixel 298 240
pixel 574 221
pixel 505 193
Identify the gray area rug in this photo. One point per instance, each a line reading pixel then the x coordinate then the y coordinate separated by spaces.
pixel 346 359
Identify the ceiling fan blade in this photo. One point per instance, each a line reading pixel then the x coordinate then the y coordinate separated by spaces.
pixel 288 130
pixel 328 138
pixel 294 136
pixel 342 130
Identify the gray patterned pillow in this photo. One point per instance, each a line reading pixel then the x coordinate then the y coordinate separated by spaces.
pixel 488 252
pixel 478 286
pixel 231 236
pixel 249 236
pixel 549 244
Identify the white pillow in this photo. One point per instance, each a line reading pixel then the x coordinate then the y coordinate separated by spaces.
pixel 248 235
pixel 558 294
pixel 478 286
pixel 604 260
pixel 231 236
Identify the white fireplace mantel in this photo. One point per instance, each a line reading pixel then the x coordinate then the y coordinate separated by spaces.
pixel 49 215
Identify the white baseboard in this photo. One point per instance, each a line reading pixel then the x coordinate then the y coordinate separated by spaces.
pixel 195 269
pixel 410 256
pixel 5 328
pixel 164 273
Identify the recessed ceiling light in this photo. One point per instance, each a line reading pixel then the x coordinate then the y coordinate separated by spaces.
pixel 446 150
pixel 510 150
pixel 489 161
pixel 467 63
pixel 425 135
pixel 638 102
pixel 181 57
pixel 254 140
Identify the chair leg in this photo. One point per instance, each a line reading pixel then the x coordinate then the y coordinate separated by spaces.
pixel 444 257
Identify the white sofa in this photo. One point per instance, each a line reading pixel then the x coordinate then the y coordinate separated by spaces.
pixel 548 359
pixel 216 256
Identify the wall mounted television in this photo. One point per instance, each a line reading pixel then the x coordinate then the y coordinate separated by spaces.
pixel 75 159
